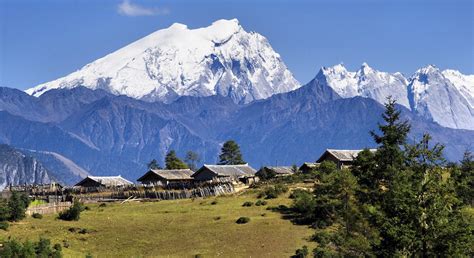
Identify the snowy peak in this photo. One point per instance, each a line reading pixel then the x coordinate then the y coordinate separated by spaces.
pixel 367 82
pixel 436 97
pixel 445 97
pixel 221 59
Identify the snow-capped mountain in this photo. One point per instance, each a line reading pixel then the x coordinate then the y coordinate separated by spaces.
pixel 366 82
pixel 434 96
pixel 446 97
pixel 222 59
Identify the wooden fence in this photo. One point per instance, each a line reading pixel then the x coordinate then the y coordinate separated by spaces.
pixel 155 193
pixel 48 208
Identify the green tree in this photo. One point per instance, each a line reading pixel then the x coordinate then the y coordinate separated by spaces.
pixel 192 159
pixel 73 213
pixel 173 162
pixel 153 164
pixel 17 204
pixel 230 154
pixel 464 179
pixel 337 207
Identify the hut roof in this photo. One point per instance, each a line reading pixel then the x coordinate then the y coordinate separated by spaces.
pixel 171 174
pixel 310 165
pixel 281 170
pixel 231 170
pixel 342 155
pixel 107 180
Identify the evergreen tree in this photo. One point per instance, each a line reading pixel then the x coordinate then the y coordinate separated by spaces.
pixel 153 164
pixel 464 179
pixel 173 162
pixel 192 159
pixel 17 205
pixel 230 154
pixel 337 208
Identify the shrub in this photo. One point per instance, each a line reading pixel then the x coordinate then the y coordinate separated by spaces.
pixel 247 204
pixel 301 253
pixel 242 220
pixel 37 216
pixel 273 192
pixel 73 213
pixel 4 225
pixel 102 205
pixel 260 203
pixel 214 202
pixel 42 248
pixel 297 192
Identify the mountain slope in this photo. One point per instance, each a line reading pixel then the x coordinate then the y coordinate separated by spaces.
pixel 17 168
pixel 445 97
pixel 222 59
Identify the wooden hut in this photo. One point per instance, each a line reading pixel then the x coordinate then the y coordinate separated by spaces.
pixel 342 158
pixel 103 181
pixel 308 167
pixel 167 177
pixel 268 171
pixel 226 173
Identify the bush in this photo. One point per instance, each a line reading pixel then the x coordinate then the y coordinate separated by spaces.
pixel 272 192
pixel 301 253
pixel 298 192
pixel 4 225
pixel 37 216
pixel 42 248
pixel 214 202
pixel 242 220
pixel 260 203
pixel 102 205
pixel 73 213
pixel 247 204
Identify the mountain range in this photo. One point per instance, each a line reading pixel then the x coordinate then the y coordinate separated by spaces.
pixel 192 89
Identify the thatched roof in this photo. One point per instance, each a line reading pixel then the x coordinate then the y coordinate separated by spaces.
pixel 170 174
pixel 281 170
pixel 243 170
pixel 342 155
pixel 107 180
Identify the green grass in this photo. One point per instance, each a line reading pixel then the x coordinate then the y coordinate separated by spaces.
pixel 172 229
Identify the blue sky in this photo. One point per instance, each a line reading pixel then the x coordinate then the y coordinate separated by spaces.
pixel 43 40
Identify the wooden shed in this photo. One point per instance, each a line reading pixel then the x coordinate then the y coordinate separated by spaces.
pixel 103 181
pixel 226 173
pixel 342 158
pixel 167 177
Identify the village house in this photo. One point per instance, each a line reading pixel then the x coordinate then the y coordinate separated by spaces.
pixel 226 173
pixel 103 181
pixel 167 177
pixel 268 171
pixel 342 158
pixel 308 167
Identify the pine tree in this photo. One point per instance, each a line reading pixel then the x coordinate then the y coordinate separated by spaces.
pixel 17 204
pixel 191 159
pixel 153 164
pixel 464 179
pixel 230 154
pixel 173 162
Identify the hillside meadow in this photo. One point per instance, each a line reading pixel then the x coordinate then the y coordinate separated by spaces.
pixel 180 228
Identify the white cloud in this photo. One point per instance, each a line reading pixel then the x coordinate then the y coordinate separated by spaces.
pixel 128 8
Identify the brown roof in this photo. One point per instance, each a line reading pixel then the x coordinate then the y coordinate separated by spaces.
pixel 281 170
pixel 171 174
pixel 243 170
pixel 107 180
pixel 342 155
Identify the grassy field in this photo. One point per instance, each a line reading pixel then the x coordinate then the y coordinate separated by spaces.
pixel 181 228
